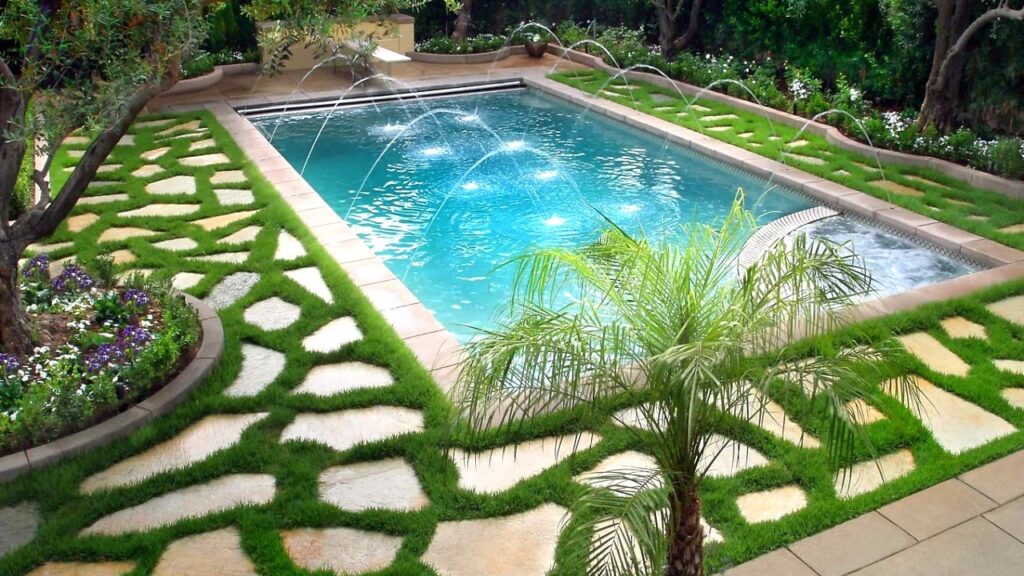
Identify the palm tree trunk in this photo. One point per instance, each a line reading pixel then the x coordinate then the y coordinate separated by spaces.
pixel 686 550
pixel 15 329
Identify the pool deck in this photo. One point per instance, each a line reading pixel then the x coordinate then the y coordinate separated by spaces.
pixel 968 525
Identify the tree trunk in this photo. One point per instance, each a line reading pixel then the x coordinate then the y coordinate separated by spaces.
pixel 667 33
pixel 686 550
pixel 15 329
pixel 462 22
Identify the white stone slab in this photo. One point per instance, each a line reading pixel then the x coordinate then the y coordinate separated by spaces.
pixel 340 550
pixel 231 289
pixel 288 247
pixel 311 279
pixel 272 314
pixel 331 379
pixel 865 477
pixel 260 367
pixel 217 553
pixel 771 504
pixel 348 428
pixel 333 336
pixel 934 355
pixel 385 484
pixel 175 185
pixel 493 471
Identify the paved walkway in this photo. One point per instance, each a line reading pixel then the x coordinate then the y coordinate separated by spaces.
pixel 970 525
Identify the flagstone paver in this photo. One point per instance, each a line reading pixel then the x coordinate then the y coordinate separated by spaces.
pixel 341 550
pixel 199 145
pixel 960 327
pixel 717 117
pixel 224 257
pixel 194 444
pixel 233 196
pixel 345 429
pixel 863 413
pixel 231 289
pixel 771 504
pixel 83 569
pixel 260 367
pixel 217 495
pixel 864 477
pixel 123 256
pixel 105 199
pixel 1014 229
pixel 272 314
pixel 124 233
pixel 177 244
pixel 217 553
pixel 18 525
pixel 387 484
pixel 933 354
pixel 492 471
pixel 770 416
pixel 186 280
pixel 173 186
pixel 82 221
pixel 49 248
pixel 1015 396
pixel 333 336
pixel 191 125
pixel 311 279
pixel 517 545
pixel 242 236
pixel 162 210
pixel 331 379
pixel 151 155
pixel 145 124
pixel 108 168
pixel 638 472
pixel 147 171
pixel 288 247
pixel 956 424
pixel 1010 309
pixel 228 177
pixel 1014 366
pixel 215 222
pixel 205 160
pixel 897 188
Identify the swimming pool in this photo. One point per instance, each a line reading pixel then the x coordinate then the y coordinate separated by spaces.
pixel 446 190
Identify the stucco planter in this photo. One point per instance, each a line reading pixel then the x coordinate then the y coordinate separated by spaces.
pixel 197 84
pixel 157 404
pixel 478 58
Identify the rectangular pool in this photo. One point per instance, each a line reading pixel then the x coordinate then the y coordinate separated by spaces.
pixel 446 190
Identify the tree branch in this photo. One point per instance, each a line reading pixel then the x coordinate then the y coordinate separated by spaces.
pixel 1002 11
pixel 692 27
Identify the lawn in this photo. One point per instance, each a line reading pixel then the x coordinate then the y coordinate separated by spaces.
pixel 297 465
pixel 921 190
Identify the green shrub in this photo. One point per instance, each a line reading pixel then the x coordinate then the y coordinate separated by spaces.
pixel 1008 157
pixel 472 45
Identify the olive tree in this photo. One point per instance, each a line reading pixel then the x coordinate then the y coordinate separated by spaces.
pixel 673 35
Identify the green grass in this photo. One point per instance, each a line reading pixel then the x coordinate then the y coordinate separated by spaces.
pixel 944 198
pixel 296 465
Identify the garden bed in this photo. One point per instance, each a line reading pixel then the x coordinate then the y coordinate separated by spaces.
pixel 106 350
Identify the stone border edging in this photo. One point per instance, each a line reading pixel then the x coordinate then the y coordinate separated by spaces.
pixel 210 80
pixel 477 58
pixel 1010 188
pixel 156 405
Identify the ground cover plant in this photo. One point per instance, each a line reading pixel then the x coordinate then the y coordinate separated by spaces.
pixel 202 258
pixel 920 190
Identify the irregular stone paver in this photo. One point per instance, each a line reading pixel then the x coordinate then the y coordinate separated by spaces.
pixel 934 355
pixel 200 144
pixel 105 199
pixel 225 257
pixel 124 233
pixel 272 314
pixel 340 550
pixel 177 244
pixel 75 140
pixel 228 177
pixel 863 413
pixel 193 125
pixel 288 247
pixel 311 279
pixel 217 495
pixel 1014 229
pixel 186 280
pixel 152 123
pixel 147 171
pixel 897 188
pixel 719 128
pixel 175 185
pixel 247 234
pixel 18 526
pixel 960 327
pixel 864 477
pixel 797 143
pixel 194 444
pixel 1014 396
pixel 151 155
pixel 217 553
pixel 108 168
pixel 205 160
pixel 698 108
pixel 200 133
pixel 215 222
pixel 732 457
pixel 493 471
pixel 82 221
pixel 162 210
pixel 1009 309
pixel 517 545
pixel 260 367
pixel 57 266
pixel 123 257
pixel 771 504
pixel 768 415
pixel 231 289
pixel 48 248
pixel 718 117
pixel 956 424
pixel 333 336
pixel 926 181
pixel 637 470
pixel 1015 366
pixel 387 484
pixel 83 569
pixel 808 159
pixel 745 135
pixel 345 429
pixel 331 379
pixel 233 196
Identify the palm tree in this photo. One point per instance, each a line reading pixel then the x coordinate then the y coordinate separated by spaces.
pixel 674 327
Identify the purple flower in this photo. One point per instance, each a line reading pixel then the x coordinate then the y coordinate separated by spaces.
pixel 134 337
pixel 73 278
pixel 135 298
pixel 105 356
pixel 8 363
pixel 37 268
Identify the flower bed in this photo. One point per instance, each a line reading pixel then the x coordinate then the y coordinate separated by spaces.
pixel 102 346
pixel 473 45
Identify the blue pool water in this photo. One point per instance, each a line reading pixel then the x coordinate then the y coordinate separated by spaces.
pixel 488 177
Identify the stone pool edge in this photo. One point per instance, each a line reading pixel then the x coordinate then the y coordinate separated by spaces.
pixel 438 350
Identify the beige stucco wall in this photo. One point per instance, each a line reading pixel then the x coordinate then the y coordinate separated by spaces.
pixel 396 33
